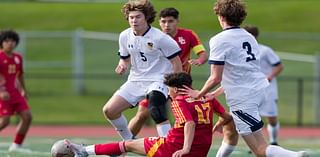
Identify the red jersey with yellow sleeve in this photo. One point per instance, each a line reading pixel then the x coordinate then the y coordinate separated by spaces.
pixel 186 109
pixel 188 41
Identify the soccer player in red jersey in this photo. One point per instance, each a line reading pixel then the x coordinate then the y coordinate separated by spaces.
pixel 12 88
pixel 188 41
pixel 189 136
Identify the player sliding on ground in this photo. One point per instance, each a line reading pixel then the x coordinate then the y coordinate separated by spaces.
pixel 190 136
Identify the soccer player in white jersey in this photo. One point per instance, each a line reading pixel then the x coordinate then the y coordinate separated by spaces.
pixel 150 54
pixel 271 66
pixel 235 63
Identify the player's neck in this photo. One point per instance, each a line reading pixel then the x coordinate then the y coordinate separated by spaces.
pixel 174 33
pixel 7 52
pixel 142 31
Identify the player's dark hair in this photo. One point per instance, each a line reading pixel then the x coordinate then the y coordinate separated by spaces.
pixel 252 30
pixel 169 12
pixel 178 79
pixel 234 11
pixel 9 34
pixel 140 5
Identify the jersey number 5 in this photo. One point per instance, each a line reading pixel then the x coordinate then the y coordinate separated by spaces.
pixel 143 57
pixel 203 113
pixel 247 46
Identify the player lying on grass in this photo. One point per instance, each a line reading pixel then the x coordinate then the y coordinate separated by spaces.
pixel 191 135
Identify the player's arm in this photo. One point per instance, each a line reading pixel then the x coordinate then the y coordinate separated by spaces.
pixel 202 58
pixel 122 65
pixel 176 64
pixel 224 118
pixel 189 129
pixel 22 85
pixel 276 70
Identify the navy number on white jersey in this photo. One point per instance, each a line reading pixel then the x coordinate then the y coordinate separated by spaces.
pixel 247 46
pixel 143 57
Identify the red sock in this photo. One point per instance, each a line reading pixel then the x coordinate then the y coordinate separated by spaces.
pixel 110 148
pixel 19 138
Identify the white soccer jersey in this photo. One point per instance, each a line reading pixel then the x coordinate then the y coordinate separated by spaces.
pixel 149 54
pixel 269 59
pixel 238 51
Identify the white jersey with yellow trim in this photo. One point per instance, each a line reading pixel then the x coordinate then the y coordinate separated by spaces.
pixel 149 54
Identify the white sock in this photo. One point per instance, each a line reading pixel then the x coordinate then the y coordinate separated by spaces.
pixel 121 125
pixel 273 132
pixel 225 150
pixel 163 129
pixel 275 151
pixel 90 150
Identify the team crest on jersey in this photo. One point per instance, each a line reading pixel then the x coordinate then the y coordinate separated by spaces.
pixel 181 40
pixel 16 60
pixel 150 45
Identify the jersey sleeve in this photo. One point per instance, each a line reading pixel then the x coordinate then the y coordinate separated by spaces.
pixel 273 58
pixel 169 47
pixel 196 44
pixel 123 51
pixel 217 107
pixel 218 51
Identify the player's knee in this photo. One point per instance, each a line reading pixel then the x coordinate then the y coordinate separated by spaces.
pixel 157 106
pixel 26 117
pixel 142 116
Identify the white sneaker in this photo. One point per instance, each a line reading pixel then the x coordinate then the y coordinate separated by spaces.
pixel 18 148
pixel 77 149
pixel 303 154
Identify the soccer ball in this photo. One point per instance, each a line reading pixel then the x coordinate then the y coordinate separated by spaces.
pixel 60 149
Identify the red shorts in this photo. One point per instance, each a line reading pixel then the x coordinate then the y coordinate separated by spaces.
pixel 159 147
pixel 17 103
pixel 144 103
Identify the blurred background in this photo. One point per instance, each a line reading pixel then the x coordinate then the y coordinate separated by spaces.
pixel 70 49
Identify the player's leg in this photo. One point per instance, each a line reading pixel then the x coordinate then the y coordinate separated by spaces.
pixel 158 111
pixel 4 121
pixel 22 129
pixel 142 115
pixel 230 140
pixel 273 129
pixel 269 110
pixel 115 148
pixel 129 94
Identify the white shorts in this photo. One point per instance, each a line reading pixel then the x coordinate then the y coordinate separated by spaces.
pixel 135 91
pixel 269 108
pixel 246 114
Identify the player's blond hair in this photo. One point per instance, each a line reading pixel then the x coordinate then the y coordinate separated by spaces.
pixel 234 11
pixel 144 6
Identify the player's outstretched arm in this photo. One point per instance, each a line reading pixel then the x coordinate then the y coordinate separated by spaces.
pixel 224 118
pixel 122 66
pixel 189 129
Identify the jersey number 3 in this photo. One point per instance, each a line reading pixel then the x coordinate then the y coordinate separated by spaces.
pixel 247 46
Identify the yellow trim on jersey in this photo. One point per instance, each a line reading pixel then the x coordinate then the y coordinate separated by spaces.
pixel 155 147
pixel 179 113
pixel 197 49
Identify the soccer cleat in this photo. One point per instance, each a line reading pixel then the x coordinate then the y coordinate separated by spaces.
pixel 274 143
pixel 18 148
pixel 77 149
pixel 303 154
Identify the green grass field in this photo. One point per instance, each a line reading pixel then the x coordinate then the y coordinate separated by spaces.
pixel 51 90
pixel 41 146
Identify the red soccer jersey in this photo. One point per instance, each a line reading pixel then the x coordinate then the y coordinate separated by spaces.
pixel 10 69
pixel 188 41
pixel 186 109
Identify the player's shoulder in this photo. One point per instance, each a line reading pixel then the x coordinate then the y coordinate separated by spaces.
pixel 126 32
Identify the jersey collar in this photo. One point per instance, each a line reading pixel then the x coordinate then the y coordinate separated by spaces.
pixel 234 27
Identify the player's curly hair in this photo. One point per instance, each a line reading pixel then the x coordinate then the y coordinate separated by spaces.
pixel 140 5
pixel 178 79
pixel 9 34
pixel 234 11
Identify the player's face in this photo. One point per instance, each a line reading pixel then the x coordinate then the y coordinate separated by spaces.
pixel 8 45
pixel 137 22
pixel 169 25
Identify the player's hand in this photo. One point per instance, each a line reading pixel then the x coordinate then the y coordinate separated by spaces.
pixel 180 153
pixel 194 62
pixel 4 95
pixel 217 128
pixel 210 96
pixel 188 91
pixel 120 69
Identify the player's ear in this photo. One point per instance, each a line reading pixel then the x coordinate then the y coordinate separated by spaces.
pixel 175 89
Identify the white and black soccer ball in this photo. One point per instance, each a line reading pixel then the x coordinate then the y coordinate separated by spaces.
pixel 61 149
